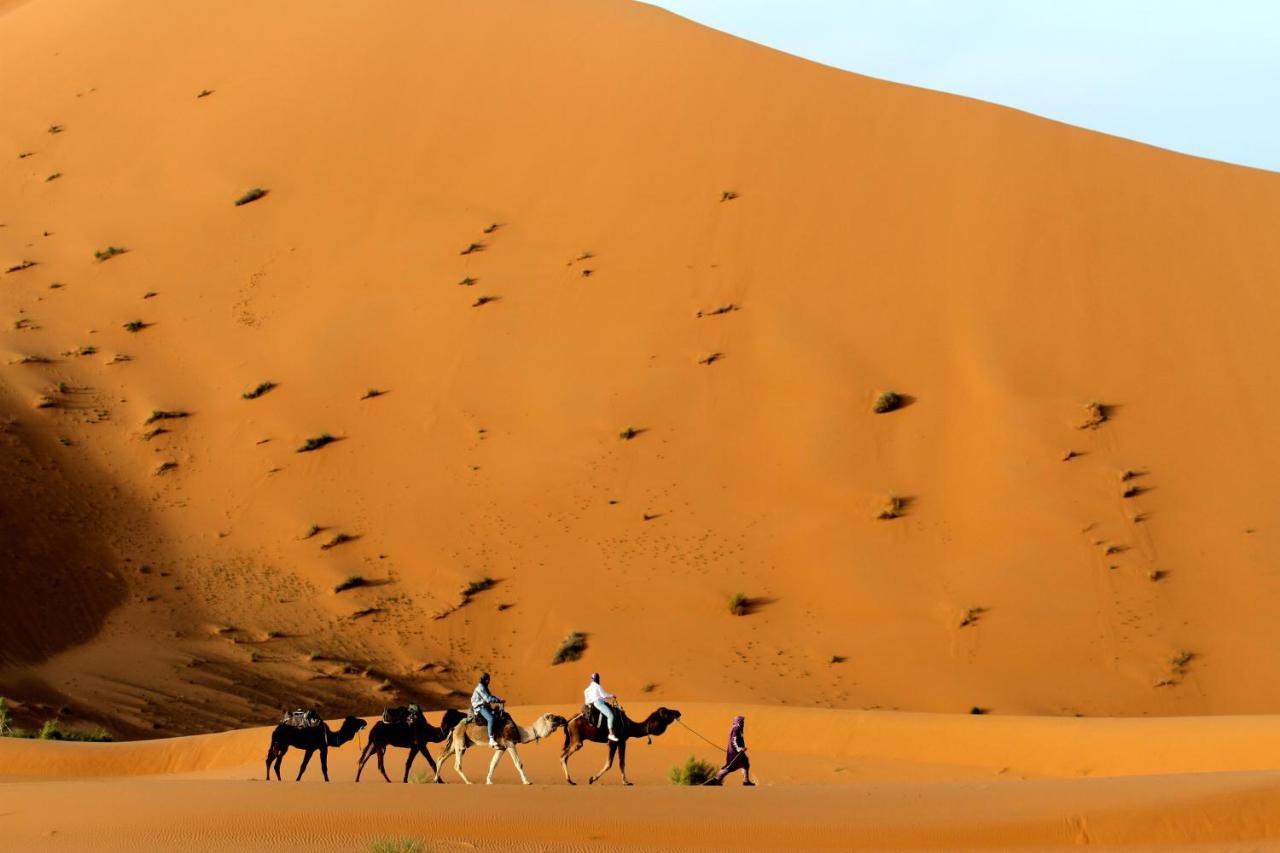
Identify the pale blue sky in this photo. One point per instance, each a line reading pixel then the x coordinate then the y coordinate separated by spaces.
pixel 1200 76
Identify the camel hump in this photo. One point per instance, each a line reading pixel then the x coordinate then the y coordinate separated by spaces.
pixel 401 714
pixel 302 718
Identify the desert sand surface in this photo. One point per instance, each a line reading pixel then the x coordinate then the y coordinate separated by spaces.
pixel 877 781
pixel 584 307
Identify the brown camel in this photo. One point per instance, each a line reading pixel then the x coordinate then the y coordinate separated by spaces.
pixel 413 737
pixel 509 735
pixel 309 738
pixel 578 731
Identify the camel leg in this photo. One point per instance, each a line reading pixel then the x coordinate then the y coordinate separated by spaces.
pixel 271 753
pixel 622 762
pixel 413 753
pixel 457 764
pixel 306 759
pixel 364 756
pixel 613 747
pixel 280 758
pixel 515 759
pixel 324 761
pixel 493 763
pixel 382 768
pixel 564 760
pixel 426 753
pixel 448 750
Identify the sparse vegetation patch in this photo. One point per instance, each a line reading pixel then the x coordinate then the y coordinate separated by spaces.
pixel 571 648
pixel 19 267
pixel 316 442
pixel 250 196
pixel 693 772
pixel 258 390
pixel 893 507
pixel 739 604
pixel 108 253
pixel 1095 415
pixel 163 415
pixel 353 582
pixel 886 401
pixel 338 539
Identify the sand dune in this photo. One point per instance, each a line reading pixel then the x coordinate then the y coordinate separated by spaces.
pixel 585 308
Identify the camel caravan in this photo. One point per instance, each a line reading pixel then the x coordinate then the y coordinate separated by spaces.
pixel 602 720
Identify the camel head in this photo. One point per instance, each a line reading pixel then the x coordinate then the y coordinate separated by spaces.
pixel 348 730
pixel 546 724
pixel 660 719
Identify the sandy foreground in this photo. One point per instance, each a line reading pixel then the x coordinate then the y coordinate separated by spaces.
pixel 829 780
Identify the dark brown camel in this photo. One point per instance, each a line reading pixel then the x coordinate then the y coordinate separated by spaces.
pixel 411 737
pixel 309 738
pixel 579 731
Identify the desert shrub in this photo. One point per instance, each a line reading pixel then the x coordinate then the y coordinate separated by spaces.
pixel 312 531
pixel 353 582
pixel 477 587
pixel 886 401
pixel 483 300
pixel 19 267
pixel 628 433
pixel 694 771
pixel 728 195
pixel 472 248
pixel 316 443
pixel 53 177
pixel 739 604
pixel 163 415
pixel 571 648
pixel 397 845
pixel 108 253
pixel 56 128
pixel 373 392
pixel 252 195
pixel 338 539
pixel 204 93
pixel 711 359
pixel 648 688
pixel 258 390
pixel 165 467
pixel 467 281
pixel 893 507
pixel 1095 415
pixel 494 226
pixel 134 326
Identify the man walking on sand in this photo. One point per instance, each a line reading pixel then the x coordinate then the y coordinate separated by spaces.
pixel 735 755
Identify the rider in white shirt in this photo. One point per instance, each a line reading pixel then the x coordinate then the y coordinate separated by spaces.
pixel 595 696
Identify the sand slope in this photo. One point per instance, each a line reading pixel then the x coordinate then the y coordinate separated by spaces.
pixel 1000 269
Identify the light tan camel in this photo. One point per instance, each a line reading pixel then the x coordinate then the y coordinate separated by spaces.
pixel 509 735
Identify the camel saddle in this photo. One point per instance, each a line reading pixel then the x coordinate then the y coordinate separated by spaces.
pixel 407 714
pixel 301 719
pixel 595 717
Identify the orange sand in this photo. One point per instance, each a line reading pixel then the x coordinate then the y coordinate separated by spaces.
pixel 1000 269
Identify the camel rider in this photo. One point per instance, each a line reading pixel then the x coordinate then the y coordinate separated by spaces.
pixel 595 697
pixel 480 704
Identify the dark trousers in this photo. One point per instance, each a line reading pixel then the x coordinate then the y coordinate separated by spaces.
pixel 738 762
